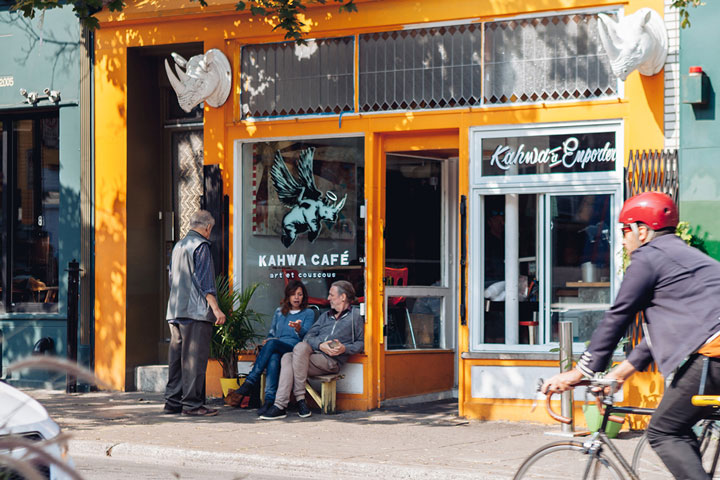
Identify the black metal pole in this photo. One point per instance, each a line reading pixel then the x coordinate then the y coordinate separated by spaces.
pixel 1 354
pixel 463 258
pixel 73 298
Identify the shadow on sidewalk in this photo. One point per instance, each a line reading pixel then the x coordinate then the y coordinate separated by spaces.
pixel 97 409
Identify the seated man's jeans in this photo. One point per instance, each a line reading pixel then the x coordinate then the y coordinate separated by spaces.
pixel 269 358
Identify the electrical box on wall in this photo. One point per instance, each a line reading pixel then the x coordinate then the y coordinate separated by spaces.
pixel 695 87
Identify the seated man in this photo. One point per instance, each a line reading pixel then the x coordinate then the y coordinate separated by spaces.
pixel 336 335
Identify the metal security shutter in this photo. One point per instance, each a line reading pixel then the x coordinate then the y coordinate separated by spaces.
pixel 279 79
pixel 421 68
pixel 546 59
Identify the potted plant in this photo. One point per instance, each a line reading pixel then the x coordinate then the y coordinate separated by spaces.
pixel 238 331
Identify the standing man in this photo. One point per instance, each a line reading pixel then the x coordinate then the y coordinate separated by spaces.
pixel 192 309
pixel 336 335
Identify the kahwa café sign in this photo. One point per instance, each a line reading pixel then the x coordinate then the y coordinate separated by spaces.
pixel 558 154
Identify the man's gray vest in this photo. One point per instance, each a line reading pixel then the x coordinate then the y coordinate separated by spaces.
pixel 186 301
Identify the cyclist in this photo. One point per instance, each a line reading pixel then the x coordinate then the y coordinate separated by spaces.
pixel 678 288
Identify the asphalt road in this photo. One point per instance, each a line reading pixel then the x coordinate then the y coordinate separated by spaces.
pixel 108 468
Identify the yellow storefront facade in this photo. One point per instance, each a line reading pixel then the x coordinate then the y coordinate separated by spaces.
pixel 467 157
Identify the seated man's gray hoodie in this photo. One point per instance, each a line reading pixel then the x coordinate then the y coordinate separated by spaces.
pixel 349 330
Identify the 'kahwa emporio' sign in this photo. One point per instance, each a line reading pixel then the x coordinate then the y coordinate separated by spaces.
pixel 549 154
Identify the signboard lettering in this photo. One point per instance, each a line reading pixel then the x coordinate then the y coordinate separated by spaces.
pixel 7 81
pixel 549 154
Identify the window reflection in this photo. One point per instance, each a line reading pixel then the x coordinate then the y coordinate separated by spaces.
pixel 301 217
pixel 35 208
pixel 414 322
pixel 413 230
pixel 581 267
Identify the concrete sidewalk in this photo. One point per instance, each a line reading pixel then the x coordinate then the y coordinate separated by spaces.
pixel 421 442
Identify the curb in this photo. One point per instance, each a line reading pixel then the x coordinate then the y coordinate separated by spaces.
pixel 310 467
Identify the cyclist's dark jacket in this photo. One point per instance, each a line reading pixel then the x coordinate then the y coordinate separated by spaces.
pixel 678 287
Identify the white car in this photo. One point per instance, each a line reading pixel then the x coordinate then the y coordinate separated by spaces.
pixel 22 416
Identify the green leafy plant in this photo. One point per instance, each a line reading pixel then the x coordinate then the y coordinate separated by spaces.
pixel 683 6
pixel 685 232
pixel 238 331
pixel 284 14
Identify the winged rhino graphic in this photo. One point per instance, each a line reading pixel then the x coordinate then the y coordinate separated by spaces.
pixel 308 207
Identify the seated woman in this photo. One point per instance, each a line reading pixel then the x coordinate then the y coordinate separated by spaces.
pixel 290 323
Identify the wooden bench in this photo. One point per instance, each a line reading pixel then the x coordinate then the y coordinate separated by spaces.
pixel 326 400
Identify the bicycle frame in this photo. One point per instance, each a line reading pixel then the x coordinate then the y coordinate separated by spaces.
pixel 604 439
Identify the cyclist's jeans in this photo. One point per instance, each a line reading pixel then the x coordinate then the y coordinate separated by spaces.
pixel 670 430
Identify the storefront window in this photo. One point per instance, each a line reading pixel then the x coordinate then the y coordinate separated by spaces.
pixel 547 244
pixel 303 217
pixel 580 271
pixel 31 166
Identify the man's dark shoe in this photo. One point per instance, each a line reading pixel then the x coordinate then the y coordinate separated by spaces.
pixel 169 409
pixel 274 413
pixel 201 412
pixel 303 410
pixel 266 406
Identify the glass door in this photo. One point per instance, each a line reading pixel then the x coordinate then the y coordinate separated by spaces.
pixel 418 262
pixel 510 237
pixel 580 261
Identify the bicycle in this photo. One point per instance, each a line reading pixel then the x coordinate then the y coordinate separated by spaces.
pixel 589 460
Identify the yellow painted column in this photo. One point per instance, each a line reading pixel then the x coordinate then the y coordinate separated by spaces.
pixel 374 258
pixel 110 208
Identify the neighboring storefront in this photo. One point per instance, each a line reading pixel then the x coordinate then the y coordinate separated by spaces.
pixel 43 74
pixel 698 113
pixel 437 157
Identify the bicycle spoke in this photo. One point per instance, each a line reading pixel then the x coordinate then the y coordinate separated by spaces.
pixel 567 460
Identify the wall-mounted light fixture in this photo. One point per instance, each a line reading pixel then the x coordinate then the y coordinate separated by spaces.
pixel 33 98
pixel 695 87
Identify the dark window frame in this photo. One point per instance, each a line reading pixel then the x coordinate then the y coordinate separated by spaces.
pixel 8 152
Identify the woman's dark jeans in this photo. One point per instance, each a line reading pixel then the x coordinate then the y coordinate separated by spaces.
pixel 670 430
pixel 269 358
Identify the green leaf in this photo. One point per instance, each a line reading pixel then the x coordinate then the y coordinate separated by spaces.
pixel 240 6
pixel 238 332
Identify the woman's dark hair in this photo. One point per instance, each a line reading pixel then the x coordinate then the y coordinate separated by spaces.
pixel 290 289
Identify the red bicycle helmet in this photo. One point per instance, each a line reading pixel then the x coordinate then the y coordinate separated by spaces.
pixel 654 209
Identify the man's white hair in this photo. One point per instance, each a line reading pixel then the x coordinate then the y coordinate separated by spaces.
pixel 201 219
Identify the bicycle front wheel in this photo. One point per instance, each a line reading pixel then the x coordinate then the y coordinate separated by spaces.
pixel 567 460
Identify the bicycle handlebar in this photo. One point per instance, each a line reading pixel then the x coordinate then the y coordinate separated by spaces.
pixel 597 382
pixel 706 400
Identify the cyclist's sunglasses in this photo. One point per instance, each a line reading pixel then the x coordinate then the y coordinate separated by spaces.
pixel 626 228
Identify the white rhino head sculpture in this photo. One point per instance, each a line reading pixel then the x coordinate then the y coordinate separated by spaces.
pixel 637 41
pixel 206 78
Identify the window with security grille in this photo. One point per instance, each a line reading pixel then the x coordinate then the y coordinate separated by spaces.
pixel 546 59
pixel 288 79
pixel 421 68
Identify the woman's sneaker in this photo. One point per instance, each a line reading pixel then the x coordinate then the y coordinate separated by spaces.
pixel 274 413
pixel 266 406
pixel 303 410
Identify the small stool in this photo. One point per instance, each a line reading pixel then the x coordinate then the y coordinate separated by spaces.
pixel 328 392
